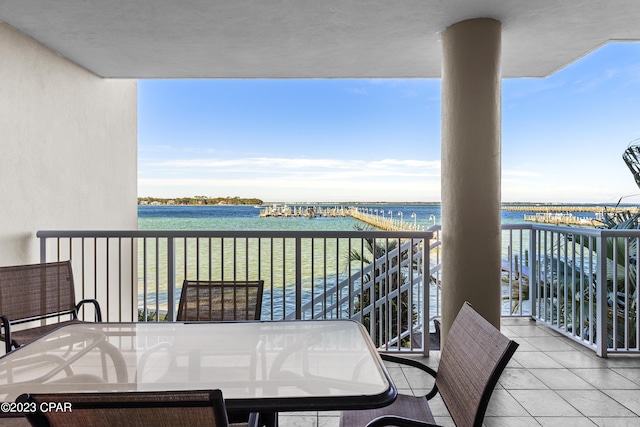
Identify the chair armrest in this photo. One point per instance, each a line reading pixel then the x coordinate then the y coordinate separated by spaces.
pixel 415 364
pixel 95 303
pixel 396 421
pixel 6 326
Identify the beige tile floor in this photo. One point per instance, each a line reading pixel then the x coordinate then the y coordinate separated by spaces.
pixel 550 381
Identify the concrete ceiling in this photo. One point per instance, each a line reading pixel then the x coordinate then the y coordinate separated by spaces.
pixel 310 38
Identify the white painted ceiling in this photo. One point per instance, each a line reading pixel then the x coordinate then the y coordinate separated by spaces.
pixel 310 38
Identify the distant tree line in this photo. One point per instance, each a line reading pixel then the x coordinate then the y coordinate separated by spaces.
pixel 199 200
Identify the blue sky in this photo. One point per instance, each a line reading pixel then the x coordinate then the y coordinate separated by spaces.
pixel 379 140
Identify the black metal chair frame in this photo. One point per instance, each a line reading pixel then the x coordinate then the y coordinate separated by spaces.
pixel 52 285
pixel 456 388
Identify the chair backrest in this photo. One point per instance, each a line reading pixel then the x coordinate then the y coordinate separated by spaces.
pixel 36 291
pixel 204 408
pixel 471 361
pixel 214 301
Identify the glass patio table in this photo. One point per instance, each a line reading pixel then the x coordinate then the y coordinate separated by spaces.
pixel 265 367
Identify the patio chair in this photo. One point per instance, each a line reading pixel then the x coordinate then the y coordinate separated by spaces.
pixel 204 408
pixel 214 301
pixel 473 357
pixel 37 293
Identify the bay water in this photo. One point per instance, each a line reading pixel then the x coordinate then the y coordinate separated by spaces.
pixel 248 218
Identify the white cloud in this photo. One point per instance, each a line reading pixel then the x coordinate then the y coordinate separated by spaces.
pixel 304 164
pixel 518 173
pixel 288 190
pixel 357 91
pixel 155 148
pixel 167 148
pixel 287 179
pixel 532 88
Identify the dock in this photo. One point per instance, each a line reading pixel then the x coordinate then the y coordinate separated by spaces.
pixel 286 211
pixel 377 221
pixel 382 222
pixel 563 218
pixel 544 208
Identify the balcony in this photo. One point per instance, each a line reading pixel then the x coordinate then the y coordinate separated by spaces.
pixel 562 288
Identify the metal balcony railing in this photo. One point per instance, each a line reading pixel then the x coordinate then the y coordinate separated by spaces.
pixel 582 282
pixel 375 277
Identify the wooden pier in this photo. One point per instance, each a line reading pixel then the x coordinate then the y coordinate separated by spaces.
pixel 564 218
pixel 569 208
pixel 383 223
pixel 380 222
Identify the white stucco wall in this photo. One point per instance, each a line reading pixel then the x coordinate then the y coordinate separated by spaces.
pixel 68 147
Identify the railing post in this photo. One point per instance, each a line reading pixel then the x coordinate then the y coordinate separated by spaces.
pixel 533 273
pixel 601 296
pixel 426 295
pixel 171 281
pixel 298 278
pixel 43 249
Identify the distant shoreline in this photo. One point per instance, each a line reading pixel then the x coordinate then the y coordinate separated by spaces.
pixel 510 204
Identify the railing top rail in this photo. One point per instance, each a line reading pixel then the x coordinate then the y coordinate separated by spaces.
pixel 585 231
pixel 554 228
pixel 620 233
pixel 516 226
pixel 230 234
pixel 429 234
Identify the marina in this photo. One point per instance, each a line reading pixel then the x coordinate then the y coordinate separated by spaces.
pixel 384 219
pixel 373 217
pixel 564 218
pixel 387 223
pixel 303 211
pixel 382 216
pixel 547 208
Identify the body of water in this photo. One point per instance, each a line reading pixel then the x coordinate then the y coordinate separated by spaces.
pixel 248 218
